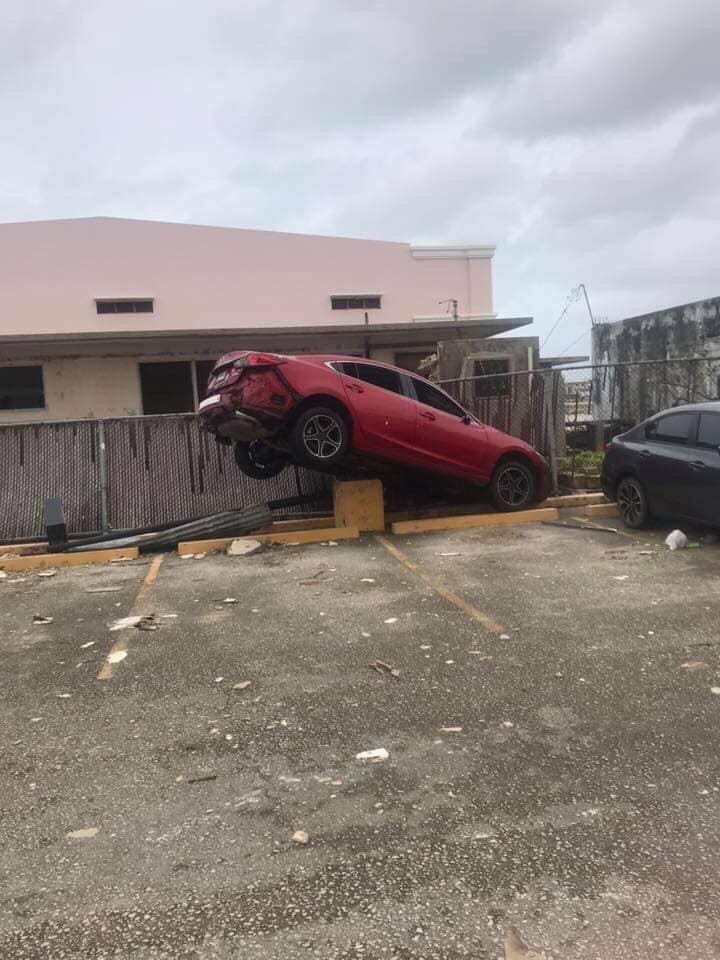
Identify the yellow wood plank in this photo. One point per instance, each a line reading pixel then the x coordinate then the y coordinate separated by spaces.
pixel 46 560
pixel 476 520
pixel 575 500
pixel 317 523
pixel 190 547
pixel 359 503
pixel 602 510
pixel 22 549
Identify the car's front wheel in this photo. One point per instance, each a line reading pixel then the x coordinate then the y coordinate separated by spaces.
pixel 632 503
pixel 513 486
pixel 320 437
pixel 258 460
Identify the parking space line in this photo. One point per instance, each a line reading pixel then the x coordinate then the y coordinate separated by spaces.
pixel 121 644
pixel 467 608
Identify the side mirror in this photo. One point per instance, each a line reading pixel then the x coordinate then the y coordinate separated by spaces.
pixel 468 419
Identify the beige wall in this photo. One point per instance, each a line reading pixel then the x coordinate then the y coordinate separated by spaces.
pixel 204 278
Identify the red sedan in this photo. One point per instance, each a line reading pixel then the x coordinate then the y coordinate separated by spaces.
pixel 319 410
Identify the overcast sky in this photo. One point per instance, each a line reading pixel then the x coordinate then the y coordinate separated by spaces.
pixel 582 138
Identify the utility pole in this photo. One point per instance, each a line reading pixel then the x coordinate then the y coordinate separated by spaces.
pixel 587 303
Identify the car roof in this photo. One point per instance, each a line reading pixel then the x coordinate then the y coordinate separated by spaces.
pixel 708 405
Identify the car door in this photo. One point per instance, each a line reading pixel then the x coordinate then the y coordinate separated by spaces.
pixel 664 462
pixel 704 453
pixel 385 415
pixel 447 439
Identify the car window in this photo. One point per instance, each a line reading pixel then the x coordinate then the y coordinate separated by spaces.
pixel 377 376
pixel 674 428
pixel 709 431
pixel 349 369
pixel 435 398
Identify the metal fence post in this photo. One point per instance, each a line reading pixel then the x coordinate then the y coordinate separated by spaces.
pixel 102 471
pixel 548 394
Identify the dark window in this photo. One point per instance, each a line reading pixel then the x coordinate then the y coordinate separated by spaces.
pixel 494 385
pixel 124 306
pixel 435 398
pixel 709 431
pixel 378 376
pixel 355 303
pixel 166 387
pixel 675 428
pixel 21 388
pixel 349 369
pixel 203 368
pixel 410 361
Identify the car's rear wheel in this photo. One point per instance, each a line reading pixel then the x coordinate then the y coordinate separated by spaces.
pixel 258 460
pixel 632 503
pixel 320 437
pixel 513 486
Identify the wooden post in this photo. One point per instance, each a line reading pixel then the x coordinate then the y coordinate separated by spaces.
pixel 359 503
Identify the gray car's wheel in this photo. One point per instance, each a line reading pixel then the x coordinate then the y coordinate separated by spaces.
pixel 632 503
pixel 513 486
pixel 320 437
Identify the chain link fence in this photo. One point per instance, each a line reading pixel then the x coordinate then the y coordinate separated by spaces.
pixel 569 414
pixel 121 474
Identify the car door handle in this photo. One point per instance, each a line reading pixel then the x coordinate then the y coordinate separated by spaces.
pixel 427 416
pixel 354 386
pixel 697 465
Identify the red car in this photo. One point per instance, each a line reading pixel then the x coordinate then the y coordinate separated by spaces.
pixel 318 411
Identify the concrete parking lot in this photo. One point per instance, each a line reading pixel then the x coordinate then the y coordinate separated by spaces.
pixel 553 763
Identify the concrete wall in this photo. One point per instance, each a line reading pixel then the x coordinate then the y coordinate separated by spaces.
pixel 203 278
pixel 456 357
pixel 690 330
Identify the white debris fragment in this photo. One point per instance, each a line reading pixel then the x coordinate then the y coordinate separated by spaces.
pixel 243 547
pixel 367 580
pixel 124 622
pixel 451 729
pixel 449 662
pixel 715 690
pixel 3 575
pixel 301 837
pixel 85 834
pixel 374 756
pixel 116 656
pixel 219 679
pixel 47 573
pixel 676 540
pixel 37 618
pixel 90 643
pixel 391 620
pixel 448 554
pixel 186 556
pixel 504 636
pixel 36 719
pixel 64 696
pixel 243 685
pixel 229 600
pixel 364 633
pixel 623 576
pixel 199 556
pixel 509 724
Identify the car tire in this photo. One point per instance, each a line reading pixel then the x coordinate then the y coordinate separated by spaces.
pixel 320 437
pixel 513 486
pixel 258 460
pixel 632 503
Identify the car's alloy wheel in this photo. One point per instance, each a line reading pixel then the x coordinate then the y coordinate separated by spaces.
pixel 632 503
pixel 513 486
pixel 320 437
pixel 258 460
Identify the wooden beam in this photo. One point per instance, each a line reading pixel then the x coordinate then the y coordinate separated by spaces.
pixel 190 547
pixel 602 510
pixel 476 520
pixel 47 560
pixel 310 523
pixel 575 500
pixel 22 550
pixel 359 503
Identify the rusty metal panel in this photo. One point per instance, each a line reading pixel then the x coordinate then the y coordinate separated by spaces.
pixel 39 460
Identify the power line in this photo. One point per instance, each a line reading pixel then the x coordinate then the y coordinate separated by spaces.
pixel 570 346
pixel 571 298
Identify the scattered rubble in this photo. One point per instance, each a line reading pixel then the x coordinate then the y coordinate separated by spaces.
pixel 515 948
pixel 243 547
pixel 676 540
pixel 148 622
pixel 37 618
pixel 116 656
pixel 203 778
pixel 374 756
pixel 243 685
pixel 450 729
pixel 385 668
pixel 124 622
pixel 301 837
pixel 84 834
pixel 391 620
pixel 47 573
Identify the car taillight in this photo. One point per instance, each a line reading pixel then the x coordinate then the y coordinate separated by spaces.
pixel 259 360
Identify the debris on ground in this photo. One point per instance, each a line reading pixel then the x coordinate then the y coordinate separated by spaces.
pixel 516 948
pixel 116 656
pixel 3 575
pixel 676 540
pixel 715 690
pixel 364 633
pixel 451 553
pixel 37 618
pixel 84 834
pixel 301 837
pixel 509 724
pixel 124 622
pixel 230 600
pixel 391 620
pixel 219 679
pixel 104 590
pixel 64 696
pixel 374 756
pixel 203 778
pixel 693 665
pixel 243 547
pixel 90 643
pixel 47 573
pixel 384 668
pixel 623 576
pixel 243 685
pixel 504 636
pixel 148 622
pixel 451 729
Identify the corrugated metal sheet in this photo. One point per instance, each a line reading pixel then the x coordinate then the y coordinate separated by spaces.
pixel 159 469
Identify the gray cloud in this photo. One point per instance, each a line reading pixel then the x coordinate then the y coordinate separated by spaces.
pixel 581 138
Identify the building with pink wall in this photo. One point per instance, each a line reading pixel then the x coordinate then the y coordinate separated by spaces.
pixel 109 317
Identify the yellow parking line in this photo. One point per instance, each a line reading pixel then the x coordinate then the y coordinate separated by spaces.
pixel 121 644
pixel 467 608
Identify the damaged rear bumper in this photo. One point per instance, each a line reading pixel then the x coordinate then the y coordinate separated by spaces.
pixel 217 416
